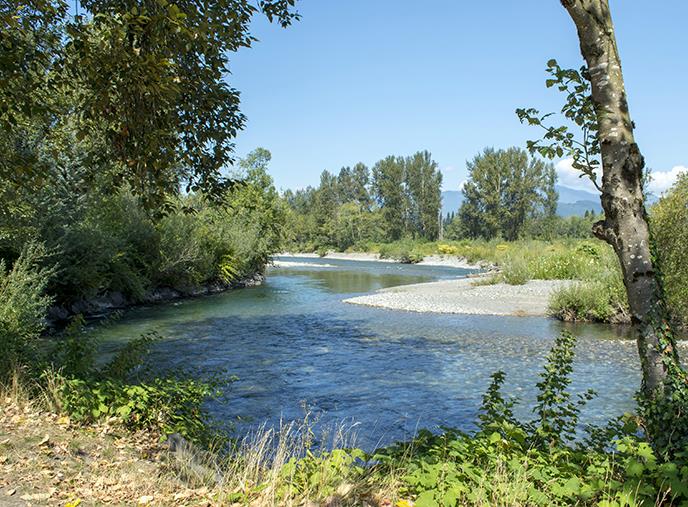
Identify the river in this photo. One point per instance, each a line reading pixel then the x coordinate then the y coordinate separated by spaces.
pixel 292 343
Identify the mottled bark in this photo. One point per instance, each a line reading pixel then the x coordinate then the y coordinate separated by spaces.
pixel 625 226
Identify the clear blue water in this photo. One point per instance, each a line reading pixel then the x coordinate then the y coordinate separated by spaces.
pixel 293 343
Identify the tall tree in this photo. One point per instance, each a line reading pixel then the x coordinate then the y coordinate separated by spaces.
pixel 424 194
pixel 598 106
pixel 144 81
pixel 625 225
pixel 352 184
pixel 388 183
pixel 504 189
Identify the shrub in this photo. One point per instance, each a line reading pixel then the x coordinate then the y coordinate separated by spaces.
pixel 165 405
pixel 515 271
pixel 122 390
pixel 109 245
pixel 598 300
pixel 669 227
pixel 447 249
pixel 23 306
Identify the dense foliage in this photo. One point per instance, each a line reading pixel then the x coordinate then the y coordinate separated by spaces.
pixel 400 198
pixel 129 93
pixel 669 222
pixel 102 243
pixel 508 196
pixel 504 189
pixel 67 370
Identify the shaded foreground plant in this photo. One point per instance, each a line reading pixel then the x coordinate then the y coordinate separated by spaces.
pixel 545 461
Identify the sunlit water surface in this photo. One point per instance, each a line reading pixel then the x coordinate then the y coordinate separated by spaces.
pixel 292 343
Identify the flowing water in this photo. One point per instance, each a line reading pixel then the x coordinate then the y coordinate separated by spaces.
pixel 292 344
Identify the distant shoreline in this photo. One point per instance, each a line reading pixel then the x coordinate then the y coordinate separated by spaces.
pixel 429 260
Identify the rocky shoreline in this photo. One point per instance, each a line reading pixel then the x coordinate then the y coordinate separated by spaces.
pixel 101 306
pixel 429 260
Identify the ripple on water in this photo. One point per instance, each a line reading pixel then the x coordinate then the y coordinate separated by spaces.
pixel 292 343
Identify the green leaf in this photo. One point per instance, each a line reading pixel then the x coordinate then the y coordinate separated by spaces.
pixel 427 499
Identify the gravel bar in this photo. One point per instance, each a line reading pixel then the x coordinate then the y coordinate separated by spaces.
pixel 462 296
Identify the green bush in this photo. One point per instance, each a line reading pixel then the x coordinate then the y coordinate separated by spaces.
pixel 669 227
pixel 109 245
pixel 600 299
pixel 165 405
pixel 515 271
pixel 122 390
pixel 23 307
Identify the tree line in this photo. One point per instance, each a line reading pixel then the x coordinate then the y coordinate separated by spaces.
pixel 507 195
pixel 400 197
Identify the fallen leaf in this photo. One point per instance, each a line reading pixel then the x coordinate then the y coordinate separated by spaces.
pixel 144 500
pixel 11 492
pixel 45 440
pixel 38 496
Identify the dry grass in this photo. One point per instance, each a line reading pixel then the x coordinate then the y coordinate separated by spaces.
pixel 46 459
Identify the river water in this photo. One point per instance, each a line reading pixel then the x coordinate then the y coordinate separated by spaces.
pixel 292 343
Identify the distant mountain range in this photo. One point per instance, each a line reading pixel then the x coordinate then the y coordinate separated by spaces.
pixel 572 201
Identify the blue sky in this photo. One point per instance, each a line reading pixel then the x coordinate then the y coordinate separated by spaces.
pixel 357 80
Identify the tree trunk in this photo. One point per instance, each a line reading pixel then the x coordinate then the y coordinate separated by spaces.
pixel 625 226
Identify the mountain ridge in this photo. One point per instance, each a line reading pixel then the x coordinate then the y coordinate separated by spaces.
pixel 572 201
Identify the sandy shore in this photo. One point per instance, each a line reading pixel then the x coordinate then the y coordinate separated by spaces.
pixel 463 297
pixel 430 260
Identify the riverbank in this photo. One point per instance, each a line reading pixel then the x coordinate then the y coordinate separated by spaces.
pixel 101 306
pixel 467 296
pixel 599 295
pixel 428 260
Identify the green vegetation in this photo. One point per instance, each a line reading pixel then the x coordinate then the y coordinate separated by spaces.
pixel 504 190
pixel 599 294
pixel 66 369
pixel 668 219
pixel 109 243
pixel 399 202
pixel 400 199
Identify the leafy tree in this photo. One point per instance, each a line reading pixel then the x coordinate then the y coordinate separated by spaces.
pixel 388 184
pixel 669 221
pixel 352 185
pixel 424 194
pixel 503 191
pixel 144 82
